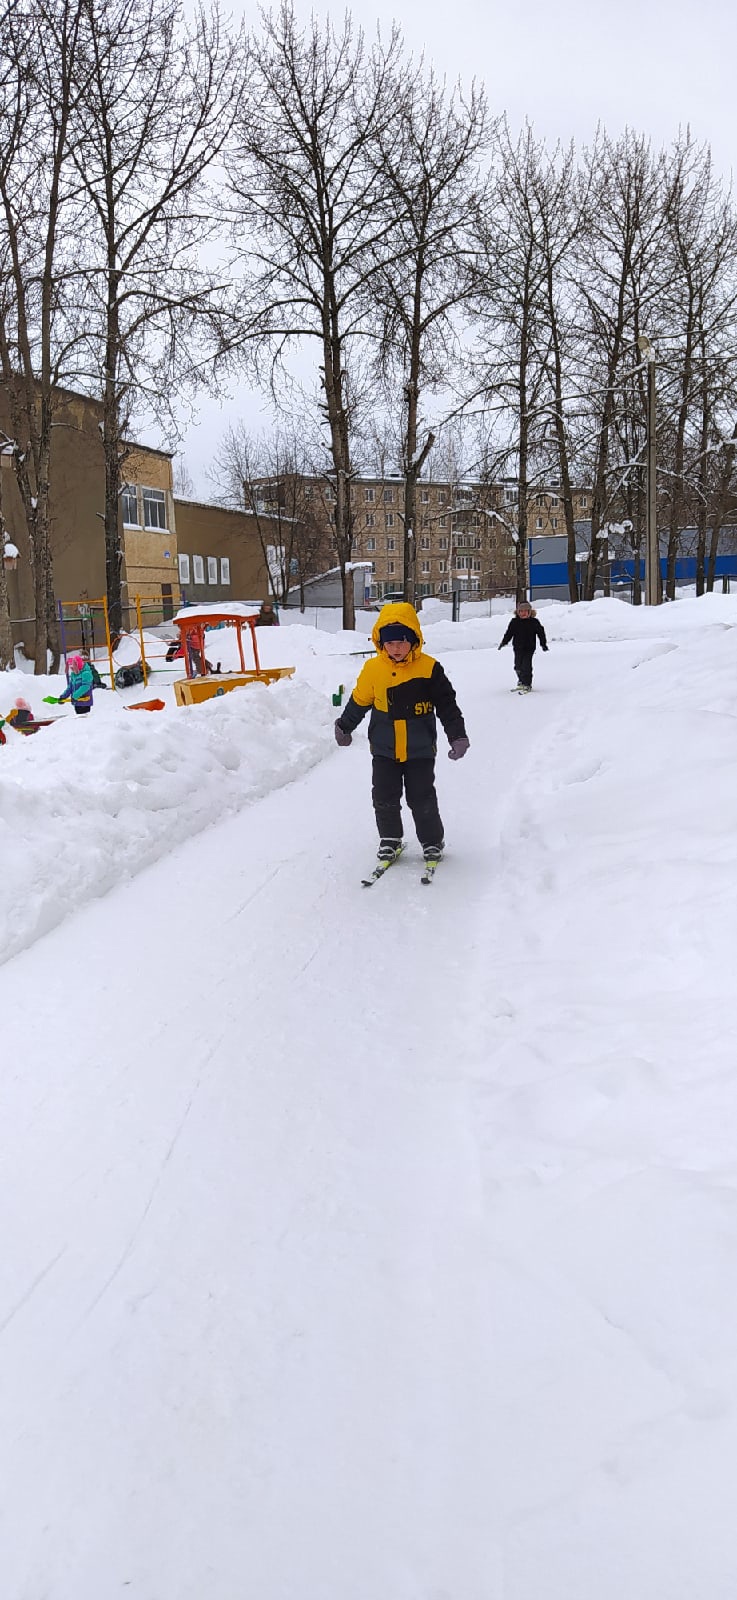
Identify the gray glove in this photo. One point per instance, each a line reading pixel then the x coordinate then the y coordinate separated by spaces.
pixel 341 737
pixel 458 748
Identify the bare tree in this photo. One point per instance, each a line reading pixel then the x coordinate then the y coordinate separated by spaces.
pixel 560 194
pixel 724 499
pixel 182 479
pixel 307 219
pixel 697 367
pixel 154 109
pixel 273 479
pixel 429 160
pixel 37 275
pixel 512 313
pixel 619 262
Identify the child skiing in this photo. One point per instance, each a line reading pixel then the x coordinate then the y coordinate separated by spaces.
pixel 524 631
pixel 404 689
pixel 79 685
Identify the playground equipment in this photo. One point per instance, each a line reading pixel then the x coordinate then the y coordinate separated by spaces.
pixel 84 626
pixel 201 683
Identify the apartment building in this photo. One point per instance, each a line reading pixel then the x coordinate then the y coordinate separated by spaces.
pixel 465 531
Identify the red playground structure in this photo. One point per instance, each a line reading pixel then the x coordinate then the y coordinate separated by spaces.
pixel 202 682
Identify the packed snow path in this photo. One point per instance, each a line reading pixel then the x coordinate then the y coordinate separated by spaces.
pixel 380 1243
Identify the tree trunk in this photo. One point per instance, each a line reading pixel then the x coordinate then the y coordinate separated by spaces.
pixel 111 442
pixel 7 653
pixel 702 508
pixel 720 508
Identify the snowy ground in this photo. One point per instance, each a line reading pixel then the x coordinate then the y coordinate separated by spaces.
pixel 376 1245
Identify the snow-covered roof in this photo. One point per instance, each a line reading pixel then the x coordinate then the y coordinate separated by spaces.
pixel 244 608
pixel 332 572
pixel 216 505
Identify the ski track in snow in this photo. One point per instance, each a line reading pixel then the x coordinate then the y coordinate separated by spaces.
pixel 381 1245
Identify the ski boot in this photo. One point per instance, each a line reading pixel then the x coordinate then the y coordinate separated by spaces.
pixel 389 849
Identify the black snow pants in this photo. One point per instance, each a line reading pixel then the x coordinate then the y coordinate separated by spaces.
pixel 417 778
pixel 523 665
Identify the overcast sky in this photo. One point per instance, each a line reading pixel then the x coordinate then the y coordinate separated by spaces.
pixel 566 65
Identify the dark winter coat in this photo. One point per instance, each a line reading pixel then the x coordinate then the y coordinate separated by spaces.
pixel 403 697
pixel 523 633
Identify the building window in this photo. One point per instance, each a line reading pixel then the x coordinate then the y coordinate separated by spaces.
pixel 390 568
pixel 538 522
pixel 388 497
pixel 424 542
pixel 183 569
pixel 511 496
pixel 425 566
pixel 442 498
pixel 425 521
pixel 154 508
pixel 441 566
pixel 442 522
pixel 368 495
pixel 554 522
pixel 425 496
pixel 370 544
pixel 391 544
pixel 390 519
pixel 443 543
pixel 370 519
pixel 583 502
pixel 129 496
pixel 553 499
pixel 199 569
pixel 212 569
pixel 225 569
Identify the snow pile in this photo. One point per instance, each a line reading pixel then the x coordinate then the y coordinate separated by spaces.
pixel 91 801
pixel 601 621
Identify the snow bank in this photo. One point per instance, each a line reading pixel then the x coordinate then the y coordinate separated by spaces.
pixel 93 800
pixel 599 621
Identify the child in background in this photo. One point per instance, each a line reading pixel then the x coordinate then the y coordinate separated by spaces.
pixel 524 631
pixel 21 717
pixel 403 689
pixel 79 685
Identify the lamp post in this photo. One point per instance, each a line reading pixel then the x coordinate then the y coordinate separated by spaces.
pixel 653 583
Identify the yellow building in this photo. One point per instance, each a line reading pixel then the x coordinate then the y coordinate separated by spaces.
pixel 221 556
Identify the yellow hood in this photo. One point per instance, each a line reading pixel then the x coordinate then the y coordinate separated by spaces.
pixel 397 611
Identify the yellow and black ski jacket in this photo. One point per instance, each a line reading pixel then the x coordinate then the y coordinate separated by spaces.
pixel 403 696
